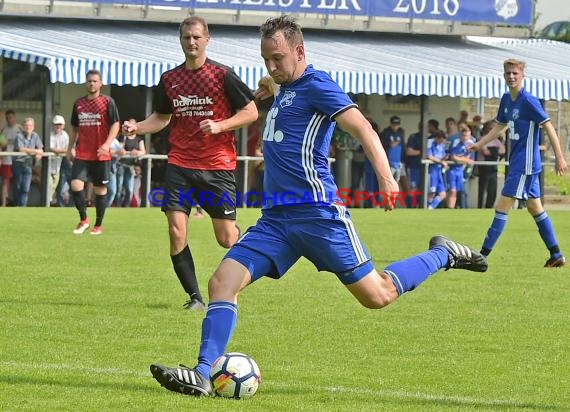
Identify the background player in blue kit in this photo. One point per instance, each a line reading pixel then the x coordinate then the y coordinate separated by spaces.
pixel 459 154
pixel 296 139
pixel 437 153
pixel 522 114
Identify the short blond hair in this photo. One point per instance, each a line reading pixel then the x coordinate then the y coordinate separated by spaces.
pixel 192 21
pixel 514 62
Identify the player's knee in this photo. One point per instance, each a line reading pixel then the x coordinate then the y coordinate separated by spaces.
pixel 534 209
pixel 177 236
pixel 227 239
pixel 377 300
pixel 221 287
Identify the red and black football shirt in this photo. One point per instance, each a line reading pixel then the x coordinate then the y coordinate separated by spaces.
pixel 213 92
pixel 93 119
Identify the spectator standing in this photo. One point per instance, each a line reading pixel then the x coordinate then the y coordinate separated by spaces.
pixel 476 127
pixel 451 132
pixel 113 188
pixel 137 185
pixel 95 123
pixel 414 163
pixel 433 128
pixel 488 179
pixel 30 143
pixel 58 143
pixel 392 138
pixel 133 147
pixel 10 132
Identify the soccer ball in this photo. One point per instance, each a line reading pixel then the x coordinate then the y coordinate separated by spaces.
pixel 235 375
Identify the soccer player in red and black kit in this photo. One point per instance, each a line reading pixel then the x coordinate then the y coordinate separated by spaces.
pixel 95 121
pixel 203 101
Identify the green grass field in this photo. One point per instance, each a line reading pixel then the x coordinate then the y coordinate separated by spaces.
pixel 83 317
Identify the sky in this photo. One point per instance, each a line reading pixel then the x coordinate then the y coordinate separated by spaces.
pixel 551 10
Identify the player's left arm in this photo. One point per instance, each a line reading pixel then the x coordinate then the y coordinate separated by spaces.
pixel 114 129
pixel 353 122
pixel 242 102
pixel 560 163
pixel 244 116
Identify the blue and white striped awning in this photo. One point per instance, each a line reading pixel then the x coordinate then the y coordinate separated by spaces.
pixel 370 63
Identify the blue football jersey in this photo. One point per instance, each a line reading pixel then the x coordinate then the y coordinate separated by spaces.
pixel 296 141
pixel 438 151
pixel 523 116
pixel 459 148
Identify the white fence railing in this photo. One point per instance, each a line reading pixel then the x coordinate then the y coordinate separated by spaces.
pixel 245 159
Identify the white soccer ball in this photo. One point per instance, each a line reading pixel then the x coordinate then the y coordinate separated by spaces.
pixel 235 375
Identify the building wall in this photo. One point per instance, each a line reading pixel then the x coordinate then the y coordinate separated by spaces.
pixel 381 108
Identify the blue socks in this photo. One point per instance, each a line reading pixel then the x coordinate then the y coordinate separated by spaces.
pixel 435 202
pixel 544 228
pixel 407 274
pixel 494 232
pixel 547 234
pixel 217 329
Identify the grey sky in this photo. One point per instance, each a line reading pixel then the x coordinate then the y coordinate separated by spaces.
pixel 552 10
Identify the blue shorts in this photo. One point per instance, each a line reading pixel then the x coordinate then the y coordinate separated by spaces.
pixel 436 183
pixel 324 235
pixel 522 186
pixel 455 179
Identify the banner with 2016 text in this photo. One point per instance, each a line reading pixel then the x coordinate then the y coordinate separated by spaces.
pixel 512 12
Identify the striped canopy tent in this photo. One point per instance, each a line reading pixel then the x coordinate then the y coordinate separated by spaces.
pixel 371 63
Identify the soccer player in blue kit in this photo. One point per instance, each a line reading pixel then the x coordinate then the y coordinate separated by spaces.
pixel 522 115
pixel 302 214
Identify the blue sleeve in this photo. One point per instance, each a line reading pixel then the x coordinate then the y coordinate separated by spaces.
pixel 327 97
pixel 535 111
pixel 501 117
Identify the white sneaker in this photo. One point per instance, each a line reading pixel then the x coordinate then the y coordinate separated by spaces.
pixel 81 227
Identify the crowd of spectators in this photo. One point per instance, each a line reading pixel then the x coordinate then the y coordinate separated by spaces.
pixel 451 168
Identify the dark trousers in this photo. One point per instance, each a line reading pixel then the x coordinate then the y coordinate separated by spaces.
pixel 488 187
pixel 64 179
pixel 356 175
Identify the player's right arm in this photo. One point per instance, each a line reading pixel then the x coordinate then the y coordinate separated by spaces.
pixel 160 117
pixel 494 133
pixel 560 163
pixel 152 124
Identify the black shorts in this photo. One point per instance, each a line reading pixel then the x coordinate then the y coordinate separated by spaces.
pixel 96 170
pixel 213 190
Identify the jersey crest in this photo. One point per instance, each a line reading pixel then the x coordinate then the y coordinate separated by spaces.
pixel 287 99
